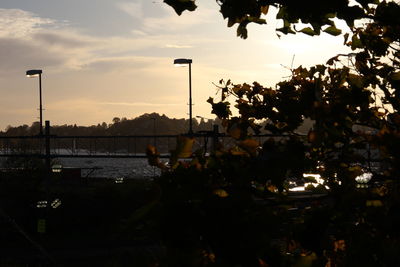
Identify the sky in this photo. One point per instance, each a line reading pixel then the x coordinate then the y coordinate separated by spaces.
pixel 114 58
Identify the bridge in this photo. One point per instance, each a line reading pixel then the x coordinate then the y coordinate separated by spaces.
pixel 49 146
pixel 128 146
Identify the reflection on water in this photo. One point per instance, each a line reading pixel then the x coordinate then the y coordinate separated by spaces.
pixel 112 167
pixel 315 181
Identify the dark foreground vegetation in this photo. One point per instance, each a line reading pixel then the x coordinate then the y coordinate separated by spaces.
pixel 64 220
pixel 205 212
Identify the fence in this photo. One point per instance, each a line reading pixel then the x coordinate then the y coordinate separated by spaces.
pixel 49 146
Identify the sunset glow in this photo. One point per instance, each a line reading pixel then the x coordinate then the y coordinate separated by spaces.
pixel 114 60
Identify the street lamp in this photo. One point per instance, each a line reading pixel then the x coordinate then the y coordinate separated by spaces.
pixel 182 62
pixel 35 73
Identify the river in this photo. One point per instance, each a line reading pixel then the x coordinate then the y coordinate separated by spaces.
pixel 111 167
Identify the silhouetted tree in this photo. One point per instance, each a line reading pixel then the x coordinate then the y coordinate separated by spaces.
pixel 141 125
pixel 318 14
pixel 231 208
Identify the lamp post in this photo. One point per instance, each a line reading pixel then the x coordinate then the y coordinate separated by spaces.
pixel 182 62
pixel 154 130
pixel 35 73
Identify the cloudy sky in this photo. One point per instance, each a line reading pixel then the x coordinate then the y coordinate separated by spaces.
pixel 114 58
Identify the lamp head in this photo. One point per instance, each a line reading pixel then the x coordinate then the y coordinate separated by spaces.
pixel 182 61
pixel 33 73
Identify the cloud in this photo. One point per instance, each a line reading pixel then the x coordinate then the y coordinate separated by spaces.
pixel 136 104
pixel 151 17
pixel 177 46
pixel 17 55
pixel 18 23
pixel 135 10
pixel 170 22
pixel 111 64
pixel 65 39
pixel 27 39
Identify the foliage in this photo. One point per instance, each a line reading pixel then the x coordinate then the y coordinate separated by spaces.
pixel 233 208
pixel 319 14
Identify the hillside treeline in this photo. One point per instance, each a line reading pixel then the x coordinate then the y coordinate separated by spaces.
pixel 146 124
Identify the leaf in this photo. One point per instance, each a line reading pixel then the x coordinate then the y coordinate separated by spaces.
pixel 184 146
pixel 314 137
pixel 330 15
pixel 346 37
pixel 316 27
pixel 308 31
pixel 264 9
pixel 306 260
pixel 286 23
pixel 153 157
pixel 235 131
pixel 332 60
pixel 332 30
pixel 272 188
pixel 246 87
pixel 374 203
pixel 395 76
pixel 221 193
pixel 286 30
pixel 281 13
pixel 181 5
pixel 250 145
pixel 241 32
pixel 221 109
pixel 355 169
pixel 356 42
pixel 281 125
pixel 257 20
pixel 151 151
pixel 231 22
pixel 355 81
pixel 339 245
pixel 236 151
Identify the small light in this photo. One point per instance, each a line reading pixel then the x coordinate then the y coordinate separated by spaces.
pixel 297 189
pixel 364 178
pixel 33 73
pixel 119 180
pixel 56 168
pixel 41 204
pixel 56 203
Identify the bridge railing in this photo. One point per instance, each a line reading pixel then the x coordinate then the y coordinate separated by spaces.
pixel 133 146
pixel 107 146
pixel 74 146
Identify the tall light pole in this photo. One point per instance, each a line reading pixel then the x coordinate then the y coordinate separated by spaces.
pixel 154 130
pixel 182 62
pixel 35 73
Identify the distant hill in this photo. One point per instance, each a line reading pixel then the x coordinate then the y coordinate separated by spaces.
pixel 146 124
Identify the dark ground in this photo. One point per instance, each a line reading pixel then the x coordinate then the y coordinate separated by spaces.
pixel 86 222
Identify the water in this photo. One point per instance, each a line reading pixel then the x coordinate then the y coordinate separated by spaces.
pixel 112 167
pixel 109 167
pixel 106 167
